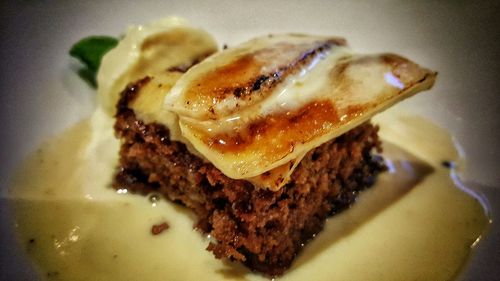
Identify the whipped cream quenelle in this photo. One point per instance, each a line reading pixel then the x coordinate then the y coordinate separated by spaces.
pixel 254 110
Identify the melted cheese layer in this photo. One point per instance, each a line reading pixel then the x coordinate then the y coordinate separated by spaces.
pixel 264 104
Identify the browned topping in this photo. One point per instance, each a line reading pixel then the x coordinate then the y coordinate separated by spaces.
pixel 159 228
pixel 244 78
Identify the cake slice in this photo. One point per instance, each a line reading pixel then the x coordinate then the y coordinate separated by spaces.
pixel 262 141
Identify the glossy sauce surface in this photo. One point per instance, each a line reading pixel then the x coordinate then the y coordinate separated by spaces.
pixel 414 224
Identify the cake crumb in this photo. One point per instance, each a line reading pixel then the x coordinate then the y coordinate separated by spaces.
pixel 159 228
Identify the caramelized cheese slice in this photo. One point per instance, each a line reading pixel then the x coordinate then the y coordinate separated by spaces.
pixel 239 78
pixel 261 106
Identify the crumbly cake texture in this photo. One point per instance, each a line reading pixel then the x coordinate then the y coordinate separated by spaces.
pixel 263 229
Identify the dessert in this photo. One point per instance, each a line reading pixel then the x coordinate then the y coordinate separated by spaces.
pixel 74 227
pixel 263 141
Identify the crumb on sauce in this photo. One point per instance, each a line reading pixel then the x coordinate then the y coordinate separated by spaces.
pixel 159 228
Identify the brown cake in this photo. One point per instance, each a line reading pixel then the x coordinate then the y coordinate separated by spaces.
pixel 264 187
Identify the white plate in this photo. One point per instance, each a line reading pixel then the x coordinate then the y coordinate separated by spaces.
pixel 40 93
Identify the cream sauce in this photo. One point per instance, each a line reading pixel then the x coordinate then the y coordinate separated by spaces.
pixel 414 224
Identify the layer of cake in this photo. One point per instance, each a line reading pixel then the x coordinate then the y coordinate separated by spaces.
pixel 264 229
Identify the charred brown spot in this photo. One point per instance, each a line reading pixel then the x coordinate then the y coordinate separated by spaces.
pixel 256 85
pixel 130 93
pixel 238 92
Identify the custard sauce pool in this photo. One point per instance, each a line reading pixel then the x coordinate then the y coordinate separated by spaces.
pixel 414 224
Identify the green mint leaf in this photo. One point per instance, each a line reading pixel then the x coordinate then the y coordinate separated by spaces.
pixel 90 51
